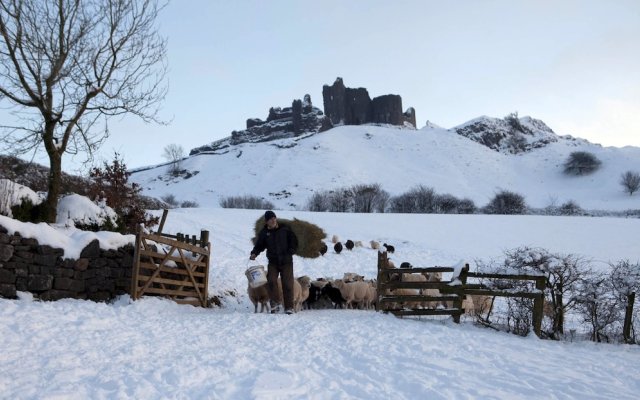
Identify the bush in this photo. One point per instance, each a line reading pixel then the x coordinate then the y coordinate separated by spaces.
pixel 506 202
pixel 581 163
pixel 26 211
pixel 570 208
pixel 420 199
pixel 630 182
pixel 189 204
pixel 466 206
pixel 310 236
pixel 170 200
pixel 246 202
pixel 318 202
pixel 111 183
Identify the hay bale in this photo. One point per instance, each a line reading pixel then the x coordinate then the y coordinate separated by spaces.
pixel 309 236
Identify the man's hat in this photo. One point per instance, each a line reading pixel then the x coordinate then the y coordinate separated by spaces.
pixel 268 215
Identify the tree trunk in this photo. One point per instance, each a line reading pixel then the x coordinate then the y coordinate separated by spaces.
pixel 55 181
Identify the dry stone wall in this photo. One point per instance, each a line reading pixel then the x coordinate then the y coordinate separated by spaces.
pixel 27 266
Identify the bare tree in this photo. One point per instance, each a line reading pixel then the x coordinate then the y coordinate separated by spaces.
pixel 66 65
pixel 174 154
pixel 630 181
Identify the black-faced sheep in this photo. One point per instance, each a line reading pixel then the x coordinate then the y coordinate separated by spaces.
pixel 349 244
pixel 337 247
pixel 390 248
pixel 333 293
pixel 406 265
pixel 323 249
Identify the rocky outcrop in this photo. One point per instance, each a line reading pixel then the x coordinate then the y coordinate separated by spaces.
pixel 510 135
pixel 301 118
pixel 348 106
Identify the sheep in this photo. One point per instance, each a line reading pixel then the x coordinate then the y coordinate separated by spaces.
pixel 352 277
pixel 352 292
pixel 333 293
pixel 390 248
pixel 358 243
pixel 374 245
pixel 371 299
pixel 316 299
pixel 305 284
pixel 297 293
pixel 335 239
pixel 406 265
pixel 349 244
pixel 337 247
pixel 323 249
pixel 259 295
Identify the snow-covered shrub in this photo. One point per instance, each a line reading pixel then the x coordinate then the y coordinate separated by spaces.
pixel 506 202
pixel 599 307
pixel 570 208
pixel 190 204
pixel 13 194
pixel 581 163
pixel 170 199
pixel 81 212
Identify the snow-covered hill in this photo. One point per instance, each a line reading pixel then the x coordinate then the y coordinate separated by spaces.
pixel 288 171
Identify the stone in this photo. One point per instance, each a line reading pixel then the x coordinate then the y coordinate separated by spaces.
pixel 81 264
pixel 39 282
pixel 7 276
pixel 6 252
pixel 92 250
pixel 62 283
pixel 8 291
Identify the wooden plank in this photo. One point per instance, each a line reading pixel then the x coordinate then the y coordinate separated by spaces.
pixel 152 254
pixel 418 270
pixel 501 293
pixel 416 298
pixel 171 292
pixel 182 245
pixel 415 285
pixel 441 311
pixel 193 279
pixel 177 271
pixel 174 282
pixel 520 277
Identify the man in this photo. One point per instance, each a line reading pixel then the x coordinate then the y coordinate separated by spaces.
pixel 281 244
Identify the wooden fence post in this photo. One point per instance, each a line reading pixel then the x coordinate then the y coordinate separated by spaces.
pixel 463 281
pixel 538 306
pixel 136 264
pixel 164 218
pixel 626 332
pixel 204 238
pixel 382 277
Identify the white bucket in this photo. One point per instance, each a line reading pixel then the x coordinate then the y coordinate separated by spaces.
pixel 256 276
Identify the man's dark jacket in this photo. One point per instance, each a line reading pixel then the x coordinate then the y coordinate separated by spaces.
pixel 281 244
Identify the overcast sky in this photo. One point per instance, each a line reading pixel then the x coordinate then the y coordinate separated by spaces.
pixel 574 64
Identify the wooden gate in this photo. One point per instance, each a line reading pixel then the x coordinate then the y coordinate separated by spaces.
pixel 171 266
pixel 452 291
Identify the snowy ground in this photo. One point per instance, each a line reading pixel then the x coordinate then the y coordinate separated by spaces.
pixel 154 348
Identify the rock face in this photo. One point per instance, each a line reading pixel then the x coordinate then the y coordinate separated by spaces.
pixel 301 118
pixel 510 135
pixel 349 106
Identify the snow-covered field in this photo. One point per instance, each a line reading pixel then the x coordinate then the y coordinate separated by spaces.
pixel 154 348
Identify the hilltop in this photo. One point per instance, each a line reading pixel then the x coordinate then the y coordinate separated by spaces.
pixel 473 160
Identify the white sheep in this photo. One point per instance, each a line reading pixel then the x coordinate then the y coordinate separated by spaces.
pixel 352 277
pixel 352 292
pixel 305 284
pixel 335 239
pixel 374 245
pixel 297 292
pixel 259 295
